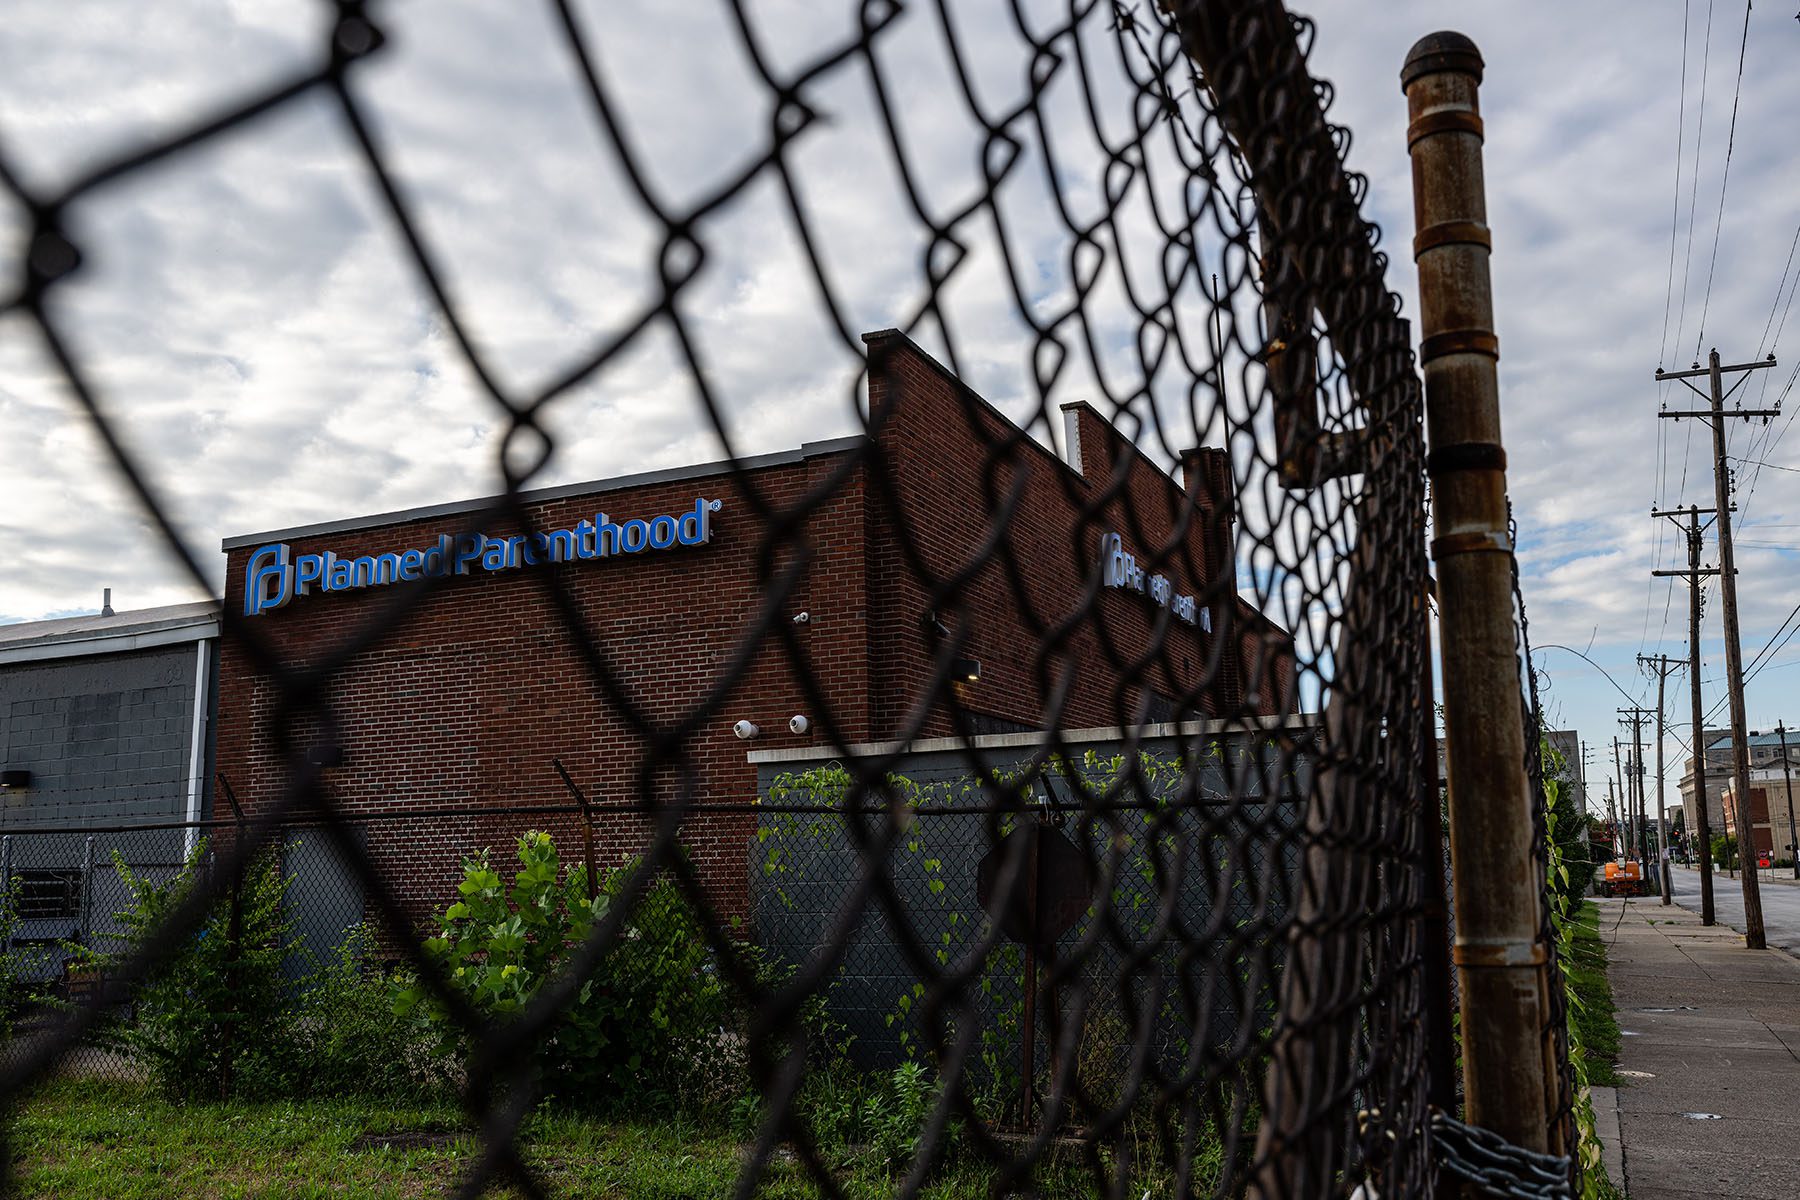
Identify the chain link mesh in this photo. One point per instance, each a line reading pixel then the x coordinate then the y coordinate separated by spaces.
pixel 1151 213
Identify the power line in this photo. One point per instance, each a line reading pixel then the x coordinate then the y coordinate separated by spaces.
pixel 1724 178
pixel 1763 656
pixel 1659 494
pixel 1779 288
pixel 1675 216
pixel 1772 466
pixel 1770 444
pixel 1694 180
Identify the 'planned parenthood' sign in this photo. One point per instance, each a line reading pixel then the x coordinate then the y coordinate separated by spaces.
pixel 275 575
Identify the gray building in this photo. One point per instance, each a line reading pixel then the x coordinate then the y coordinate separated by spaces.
pixel 1224 858
pixel 1567 744
pixel 104 729
pixel 1764 752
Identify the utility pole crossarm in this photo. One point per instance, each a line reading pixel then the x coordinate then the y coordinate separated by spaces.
pixel 1708 414
pixel 1708 370
pixel 1694 571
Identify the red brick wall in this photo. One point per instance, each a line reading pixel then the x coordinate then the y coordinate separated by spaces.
pixel 466 700
pixel 955 463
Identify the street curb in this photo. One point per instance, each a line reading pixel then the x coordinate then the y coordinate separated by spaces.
pixel 1606 1128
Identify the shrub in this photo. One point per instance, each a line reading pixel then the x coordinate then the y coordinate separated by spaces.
pixel 650 1025
pixel 348 1034
pixel 22 968
pixel 209 1019
pixel 1725 852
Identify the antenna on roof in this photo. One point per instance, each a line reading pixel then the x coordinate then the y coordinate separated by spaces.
pixel 106 602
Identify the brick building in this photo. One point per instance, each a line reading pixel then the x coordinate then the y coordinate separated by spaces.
pixel 1764 751
pixel 465 700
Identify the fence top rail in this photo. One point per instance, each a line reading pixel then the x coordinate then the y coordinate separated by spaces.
pixel 1043 739
pixel 305 819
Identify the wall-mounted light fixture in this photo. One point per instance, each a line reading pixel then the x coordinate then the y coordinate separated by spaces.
pixel 14 779
pixel 325 754
pixel 965 670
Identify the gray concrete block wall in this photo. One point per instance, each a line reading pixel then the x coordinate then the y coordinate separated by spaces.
pixel 107 738
pixel 1237 863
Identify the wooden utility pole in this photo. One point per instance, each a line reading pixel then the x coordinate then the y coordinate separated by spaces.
pixel 1715 415
pixel 1586 762
pixel 1703 824
pixel 1636 717
pixel 1662 664
pixel 1622 833
pixel 1787 787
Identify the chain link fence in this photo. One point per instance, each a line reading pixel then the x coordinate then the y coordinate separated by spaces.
pixel 1200 952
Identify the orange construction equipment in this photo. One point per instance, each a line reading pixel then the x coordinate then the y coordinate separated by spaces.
pixel 1624 879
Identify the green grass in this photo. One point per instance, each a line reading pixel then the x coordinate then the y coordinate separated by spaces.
pixel 1594 1016
pixel 84 1140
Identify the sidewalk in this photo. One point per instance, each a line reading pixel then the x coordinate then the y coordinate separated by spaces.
pixel 1711 1102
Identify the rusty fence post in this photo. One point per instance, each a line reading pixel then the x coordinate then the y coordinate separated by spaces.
pixel 1500 963
pixel 587 829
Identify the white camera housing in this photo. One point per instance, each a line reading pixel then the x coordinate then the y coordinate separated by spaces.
pixel 745 730
pixel 801 618
pixel 798 724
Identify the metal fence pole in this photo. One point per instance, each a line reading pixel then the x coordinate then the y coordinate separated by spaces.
pixel 234 935
pixel 6 896
pixel 587 829
pixel 1434 918
pixel 87 892
pixel 1499 960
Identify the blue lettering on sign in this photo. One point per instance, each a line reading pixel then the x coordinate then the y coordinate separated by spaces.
pixel 274 574
pixel 1119 569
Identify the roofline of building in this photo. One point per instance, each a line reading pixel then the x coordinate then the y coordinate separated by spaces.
pixel 1036 739
pixel 82 643
pixel 560 492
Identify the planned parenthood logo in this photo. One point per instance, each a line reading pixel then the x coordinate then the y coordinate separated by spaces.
pixel 1119 569
pixel 274 574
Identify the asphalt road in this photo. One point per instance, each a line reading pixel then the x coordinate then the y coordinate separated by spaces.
pixel 1780 904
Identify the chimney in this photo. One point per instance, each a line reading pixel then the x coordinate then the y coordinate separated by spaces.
pixel 106 609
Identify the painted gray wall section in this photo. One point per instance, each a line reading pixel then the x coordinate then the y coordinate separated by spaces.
pixel 107 739
pixel 1237 863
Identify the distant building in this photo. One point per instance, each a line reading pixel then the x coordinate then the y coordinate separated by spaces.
pixel 1565 742
pixel 1765 752
pixel 1770 812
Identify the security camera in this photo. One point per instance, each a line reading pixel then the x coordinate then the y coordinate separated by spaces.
pixel 798 724
pixel 745 730
pixel 801 618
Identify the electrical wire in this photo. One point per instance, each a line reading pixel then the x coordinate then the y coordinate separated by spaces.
pixel 1694 180
pixel 1724 178
pixel 1763 656
pixel 1675 216
pixel 1659 493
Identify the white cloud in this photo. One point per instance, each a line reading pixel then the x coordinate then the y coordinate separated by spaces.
pixel 256 329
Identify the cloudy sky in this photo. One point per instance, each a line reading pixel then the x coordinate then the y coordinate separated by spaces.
pixel 249 318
